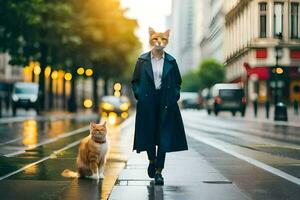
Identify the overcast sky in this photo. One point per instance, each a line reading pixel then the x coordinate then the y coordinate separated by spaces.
pixel 148 13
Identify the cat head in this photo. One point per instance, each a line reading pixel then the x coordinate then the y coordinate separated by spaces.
pixel 158 40
pixel 98 130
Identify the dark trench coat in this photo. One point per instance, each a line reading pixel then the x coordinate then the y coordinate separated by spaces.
pixel 172 134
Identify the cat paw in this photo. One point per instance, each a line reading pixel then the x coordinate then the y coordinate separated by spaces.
pixel 94 176
pixel 101 176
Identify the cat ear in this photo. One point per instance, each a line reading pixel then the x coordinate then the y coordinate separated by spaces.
pixel 104 123
pixel 151 31
pixel 93 124
pixel 167 33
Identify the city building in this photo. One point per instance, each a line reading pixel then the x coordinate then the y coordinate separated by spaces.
pixel 9 73
pixel 212 29
pixel 262 48
pixel 184 43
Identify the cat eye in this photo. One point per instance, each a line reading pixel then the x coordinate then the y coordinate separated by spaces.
pixel 165 39
pixel 154 39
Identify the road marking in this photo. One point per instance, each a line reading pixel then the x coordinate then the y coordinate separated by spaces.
pixel 218 144
pixel 54 153
pixel 261 121
pixel 10 141
pixel 64 135
pixel 42 118
pixel 41 160
pixel 255 137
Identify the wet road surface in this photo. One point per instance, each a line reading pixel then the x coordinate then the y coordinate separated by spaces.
pixel 227 155
pixel 245 160
pixel 52 147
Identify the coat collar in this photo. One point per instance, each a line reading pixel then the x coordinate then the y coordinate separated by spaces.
pixel 168 59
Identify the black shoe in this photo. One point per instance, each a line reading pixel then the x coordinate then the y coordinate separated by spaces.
pixel 159 180
pixel 151 169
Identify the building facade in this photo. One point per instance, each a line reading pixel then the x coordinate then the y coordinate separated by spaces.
pixel 9 73
pixel 262 48
pixel 212 28
pixel 183 38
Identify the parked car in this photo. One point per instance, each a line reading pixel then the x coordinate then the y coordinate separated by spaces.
pixel 226 97
pixel 114 108
pixel 189 100
pixel 25 95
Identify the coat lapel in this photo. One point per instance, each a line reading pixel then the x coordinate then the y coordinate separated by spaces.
pixel 166 67
pixel 148 65
pixel 149 70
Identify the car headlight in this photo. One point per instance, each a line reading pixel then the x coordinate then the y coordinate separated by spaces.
pixel 33 99
pixel 124 106
pixel 15 97
pixel 107 106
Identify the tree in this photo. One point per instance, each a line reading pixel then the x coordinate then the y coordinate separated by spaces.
pixel 66 34
pixel 210 72
pixel 109 40
pixel 190 82
pixel 37 30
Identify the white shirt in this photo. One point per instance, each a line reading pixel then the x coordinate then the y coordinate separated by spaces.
pixel 157 68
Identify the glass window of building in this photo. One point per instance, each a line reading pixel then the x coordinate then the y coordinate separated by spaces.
pixel 278 19
pixel 294 20
pixel 262 20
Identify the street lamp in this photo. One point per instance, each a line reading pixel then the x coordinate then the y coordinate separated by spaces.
pixel 278 70
pixel 81 71
pixel 280 111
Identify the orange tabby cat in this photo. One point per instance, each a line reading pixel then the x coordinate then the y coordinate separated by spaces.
pixel 92 154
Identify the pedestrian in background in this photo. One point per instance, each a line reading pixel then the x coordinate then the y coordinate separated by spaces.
pixel 156 85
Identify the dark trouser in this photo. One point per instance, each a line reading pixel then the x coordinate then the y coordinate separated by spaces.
pixel 158 155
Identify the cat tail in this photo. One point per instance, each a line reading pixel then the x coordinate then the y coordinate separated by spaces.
pixel 69 174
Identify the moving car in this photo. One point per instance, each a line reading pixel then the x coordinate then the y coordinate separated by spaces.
pixel 189 100
pixel 25 95
pixel 226 97
pixel 114 108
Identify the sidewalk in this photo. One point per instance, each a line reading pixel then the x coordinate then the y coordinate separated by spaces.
pixel 261 114
pixel 48 115
pixel 187 177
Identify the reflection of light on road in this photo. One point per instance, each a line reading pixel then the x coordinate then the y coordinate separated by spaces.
pixel 55 128
pixel 30 132
pixel 112 118
pixel 31 170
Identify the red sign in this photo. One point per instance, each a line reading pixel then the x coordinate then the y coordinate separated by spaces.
pixel 261 72
pixel 261 53
pixel 295 54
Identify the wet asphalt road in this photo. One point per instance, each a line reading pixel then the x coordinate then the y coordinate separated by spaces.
pixel 261 159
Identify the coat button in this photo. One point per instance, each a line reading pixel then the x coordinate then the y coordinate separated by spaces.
pixel 166 107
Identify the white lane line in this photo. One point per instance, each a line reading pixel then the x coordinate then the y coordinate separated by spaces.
pixel 218 144
pixel 41 118
pixel 255 137
pixel 245 119
pixel 41 160
pixel 64 135
pixel 58 151
pixel 10 141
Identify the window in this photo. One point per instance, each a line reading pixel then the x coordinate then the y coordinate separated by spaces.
pixel 278 19
pixel 263 20
pixel 294 20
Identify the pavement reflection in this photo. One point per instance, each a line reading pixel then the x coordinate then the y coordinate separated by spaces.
pixel 30 133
